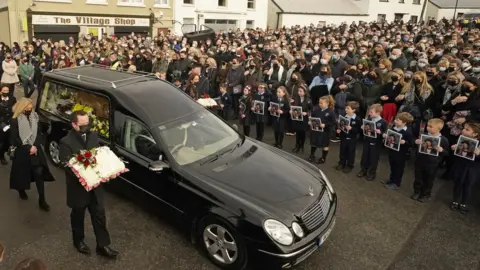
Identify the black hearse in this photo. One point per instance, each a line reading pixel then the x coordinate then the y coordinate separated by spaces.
pixel 240 197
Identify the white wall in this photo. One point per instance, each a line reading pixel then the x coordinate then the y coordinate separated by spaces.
pixel 392 7
pixel 235 10
pixel 438 14
pixel 272 15
pixel 289 20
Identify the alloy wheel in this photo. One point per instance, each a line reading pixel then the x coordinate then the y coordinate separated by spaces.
pixel 54 151
pixel 220 244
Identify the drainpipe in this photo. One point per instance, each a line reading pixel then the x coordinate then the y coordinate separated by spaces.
pixel 455 11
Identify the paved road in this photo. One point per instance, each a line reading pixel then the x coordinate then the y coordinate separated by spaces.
pixel 376 229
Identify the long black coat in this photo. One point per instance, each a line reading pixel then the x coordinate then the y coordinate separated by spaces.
pixel 249 115
pixel 21 173
pixel 70 145
pixel 5 118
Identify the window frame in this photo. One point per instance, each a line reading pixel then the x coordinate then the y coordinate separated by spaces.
pixel 253 24
pixel 167 5
pixel 417 2
pixel 222 6
pixel 97 2
pixel 52 115
pixel 123 138
pixel 55 1
pixel 383 1
pixel 188 4
pixel 253 2
pixel 401 1
pixel 128 4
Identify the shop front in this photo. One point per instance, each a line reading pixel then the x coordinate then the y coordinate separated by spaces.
pixel 62 26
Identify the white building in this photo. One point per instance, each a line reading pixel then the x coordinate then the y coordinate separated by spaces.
pixel 305 12
pixel 220 14
pixel 440 9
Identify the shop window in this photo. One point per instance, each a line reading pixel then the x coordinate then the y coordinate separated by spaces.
pixel 61 101
pixel 138 3
pixel 251 4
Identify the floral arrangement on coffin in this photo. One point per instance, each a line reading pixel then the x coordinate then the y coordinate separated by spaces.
pixel 96 166
pixel 85 108
pixel 207 102
pixel 100 126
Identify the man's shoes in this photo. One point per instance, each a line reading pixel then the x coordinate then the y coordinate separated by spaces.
pixel 454 206
pixel 362 173
pixel 295 150
pixel 107 252
pixel 321 161
pixel 347 169
pixel 424 199
pixel 463 209
pixel 339 167
pixel 82 248
pixel 23 195
pixel 415 196
pixel 311 158
pixel 3 161
pixel 44 205
pixel 371 176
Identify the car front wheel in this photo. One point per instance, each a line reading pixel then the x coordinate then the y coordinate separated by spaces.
pixel 222 244
pixel 54 152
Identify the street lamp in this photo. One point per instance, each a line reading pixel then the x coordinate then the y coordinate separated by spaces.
pixel 455 11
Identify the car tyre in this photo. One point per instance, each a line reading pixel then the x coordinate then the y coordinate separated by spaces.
pixel 53 152
pixel 222 244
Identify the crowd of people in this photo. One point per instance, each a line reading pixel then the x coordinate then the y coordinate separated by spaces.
pixel 385 83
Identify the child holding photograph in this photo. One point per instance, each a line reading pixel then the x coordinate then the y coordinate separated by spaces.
pixel 247 117
pixel 465 171
pixel 225 102
pixel 372 146
pixel 261 119
pixel 397 159
pixel 301 127
pixel 325 112
pixel 348 141
pixel 426 165
pixel 278 123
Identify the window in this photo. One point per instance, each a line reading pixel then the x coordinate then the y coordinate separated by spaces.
pixel 160 3
pixel 401 1
pixel 222 3
pixel 414 19
pixel 134 3
pixel 383 0
pixel 251 4
pixel 250 24
pixel 398 16
pixel 137 139
pixel 56 1
pixel 381 17
pixel 188 2
pixel 61 101
pixel 416 2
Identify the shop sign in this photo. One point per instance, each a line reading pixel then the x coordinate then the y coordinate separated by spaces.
pixel 88 20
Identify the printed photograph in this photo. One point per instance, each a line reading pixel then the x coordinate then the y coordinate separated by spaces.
pixel 343 123
pixel 393 139
pixel 369 129
pixel 274 107
pixel 297 113
pixel 428 145
pixel 315 123
pixel 259 107
pixel 242 107
pixel 466 147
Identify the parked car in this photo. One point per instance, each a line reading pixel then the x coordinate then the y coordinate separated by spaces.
pixel 242 199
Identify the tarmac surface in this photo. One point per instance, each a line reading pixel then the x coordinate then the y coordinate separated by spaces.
pixel 375 229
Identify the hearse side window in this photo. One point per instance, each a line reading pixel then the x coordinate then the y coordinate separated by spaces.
pixel 62 100
pixel 138 139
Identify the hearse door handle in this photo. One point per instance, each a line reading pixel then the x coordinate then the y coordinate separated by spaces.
pixel 123 160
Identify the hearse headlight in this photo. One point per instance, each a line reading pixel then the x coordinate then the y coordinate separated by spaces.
pixel 278 231
pixel 297 229
pixel 329 185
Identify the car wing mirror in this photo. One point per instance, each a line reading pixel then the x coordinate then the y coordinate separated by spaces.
pixel 158 166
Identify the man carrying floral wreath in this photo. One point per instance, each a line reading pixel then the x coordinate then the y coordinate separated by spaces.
pixel 78 143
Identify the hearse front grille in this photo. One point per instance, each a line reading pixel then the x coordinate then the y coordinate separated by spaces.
pixel 316 213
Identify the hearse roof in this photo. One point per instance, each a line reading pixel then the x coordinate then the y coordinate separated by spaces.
pixel 152 100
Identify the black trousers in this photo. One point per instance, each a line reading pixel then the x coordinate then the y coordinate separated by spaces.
pixel 348 147
pixel 260 127
pixel 300 136
pixel 236 103
pixel 37 172
pixel 246 130
pixel 99 223
pixel 397 162
pixel 28 88
pixel 424 179
pixel 224 113
pixel 11 88
pixel 279 137
pixel 370 156
pixel 4 143
pixel 463 183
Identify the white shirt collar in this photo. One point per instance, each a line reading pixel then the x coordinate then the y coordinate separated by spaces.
pixel 400 129
pixel 376 119
pixel 353 116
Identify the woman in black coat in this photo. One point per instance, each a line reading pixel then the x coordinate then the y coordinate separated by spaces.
pixel 6 104
pixel 29 162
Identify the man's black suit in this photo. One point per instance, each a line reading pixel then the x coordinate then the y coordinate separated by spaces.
pixel 78 199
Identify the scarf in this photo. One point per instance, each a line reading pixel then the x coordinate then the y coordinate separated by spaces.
pixel 450 91
pixel 27 128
